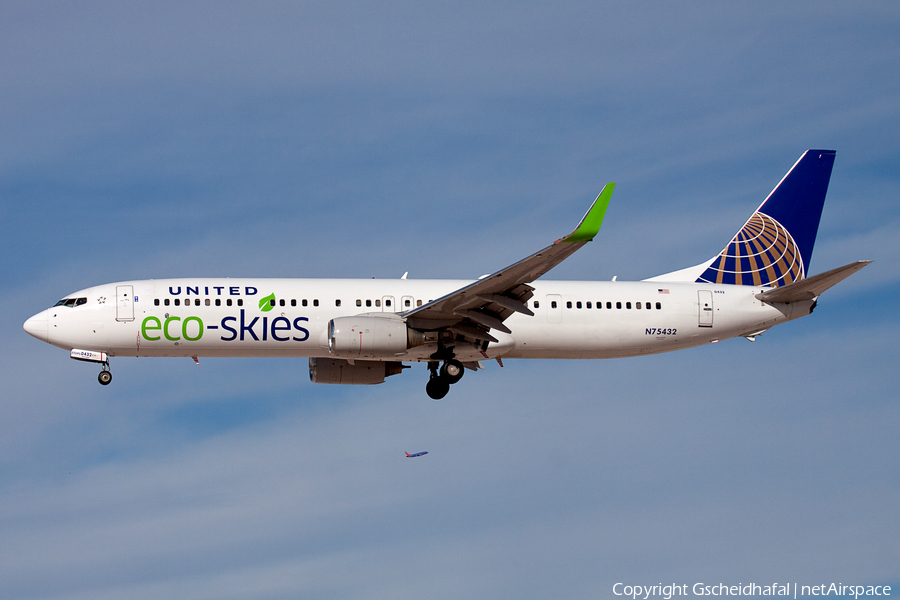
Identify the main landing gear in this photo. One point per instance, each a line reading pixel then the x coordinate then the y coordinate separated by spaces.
pixel 105 375
pixel 440 380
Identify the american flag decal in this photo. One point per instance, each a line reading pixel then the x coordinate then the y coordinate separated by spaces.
pixel 663 291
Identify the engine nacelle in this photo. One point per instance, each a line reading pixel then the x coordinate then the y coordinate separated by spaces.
pixel 361 372
pixel 366 336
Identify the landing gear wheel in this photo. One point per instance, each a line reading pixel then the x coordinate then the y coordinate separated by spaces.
pixel 452 371
pixel 437 388
pixel 104 377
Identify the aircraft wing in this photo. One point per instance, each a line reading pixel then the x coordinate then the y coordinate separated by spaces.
pixel 474 309
pixel 809 288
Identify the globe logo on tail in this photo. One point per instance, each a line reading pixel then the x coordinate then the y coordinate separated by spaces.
pixel 762 253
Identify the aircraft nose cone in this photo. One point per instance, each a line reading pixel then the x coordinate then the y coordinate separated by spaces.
pixel 37 326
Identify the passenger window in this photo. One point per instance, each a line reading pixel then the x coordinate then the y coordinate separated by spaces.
pixel 177 302
pixel 618 305
pixel 293 302
pixel 337 302
pixel 377 302
pixel 648 306
pixel 628 305
pixel 637 305
pixel 358 302
pixel 315 302
pixel 272 302
pixel 156 302
pixel 537 304
pixel 240 301
pixel 588 305
pixel 207 302
pixel 197 301
pixel 568 304
pixel 578 305
pixel 281 302
pixel 368 303
pixel 228 302
pixel 218 302
pixel 406 303
pixel 166 302
pixel 387 303
pixel 304 302
pixel 553 304
pixel 418 303
pixel 658 305
pixel 609 305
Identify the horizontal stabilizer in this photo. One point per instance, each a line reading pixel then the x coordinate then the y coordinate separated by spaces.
pixel 809 288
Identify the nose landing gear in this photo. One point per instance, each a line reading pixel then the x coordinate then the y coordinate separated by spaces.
pixel 105 375
pixel 440 381
pixel 94 356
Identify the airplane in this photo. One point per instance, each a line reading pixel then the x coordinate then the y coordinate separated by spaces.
pixel 417 454
pixel 361 331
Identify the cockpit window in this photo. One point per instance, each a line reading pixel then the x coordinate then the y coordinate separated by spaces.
pixel 71 302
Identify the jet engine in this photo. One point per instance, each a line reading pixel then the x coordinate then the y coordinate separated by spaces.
pixel 366 336
pixel 361 372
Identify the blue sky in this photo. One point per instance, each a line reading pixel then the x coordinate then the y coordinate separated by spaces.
pixel 447 140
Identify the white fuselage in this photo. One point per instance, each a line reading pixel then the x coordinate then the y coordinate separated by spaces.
pixel 572 319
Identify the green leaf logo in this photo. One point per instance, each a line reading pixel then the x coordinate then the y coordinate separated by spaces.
pixel 268 303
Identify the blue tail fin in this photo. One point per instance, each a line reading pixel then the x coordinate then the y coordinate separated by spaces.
pixel 775 246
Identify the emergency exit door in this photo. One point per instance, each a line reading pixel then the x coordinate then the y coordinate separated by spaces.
pixel 554 308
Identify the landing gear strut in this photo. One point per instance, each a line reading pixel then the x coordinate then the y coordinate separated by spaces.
pixel 439 382
pixel 105 375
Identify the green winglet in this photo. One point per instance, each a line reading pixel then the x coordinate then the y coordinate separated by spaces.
pixel 593 219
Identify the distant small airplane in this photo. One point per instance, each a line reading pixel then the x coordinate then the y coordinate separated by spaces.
pixel 408 455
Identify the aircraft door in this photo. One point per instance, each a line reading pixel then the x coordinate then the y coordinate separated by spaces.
pixel 124 303
pixel 554 308
pixel 706 308
pixel 387 304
